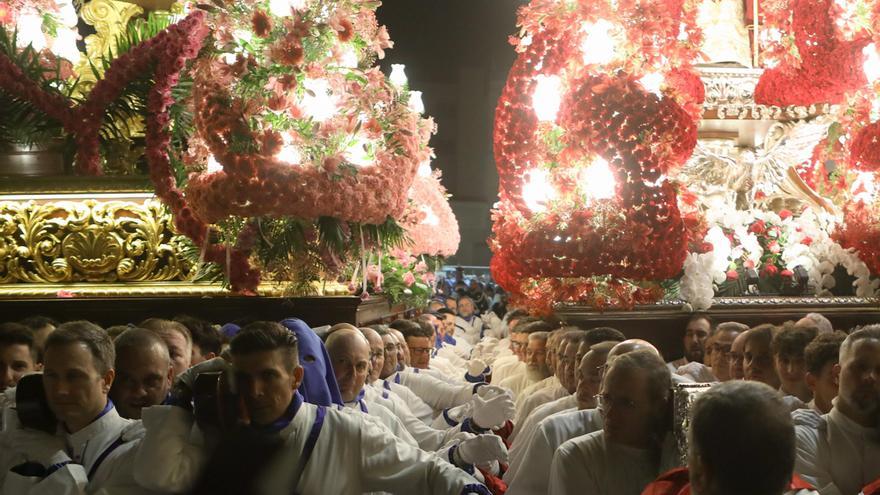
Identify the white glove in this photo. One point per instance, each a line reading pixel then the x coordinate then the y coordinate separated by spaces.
pixel 490 391
pixel 38 446
pixel 482 449
pixel 476 367
pixel 494 412
pixel 458 413
pixel 806 417
pixel 188 377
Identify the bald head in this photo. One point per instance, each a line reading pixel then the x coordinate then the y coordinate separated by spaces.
pixel 631 345
pixel 589 375
pixel 349 354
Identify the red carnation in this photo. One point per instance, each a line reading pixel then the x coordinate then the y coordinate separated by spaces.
pixel 785 214
pixel 706 247
pixel 807 240
pixel 261 23
pixel 769 270
pixel 758 227
pixel 347 30
pixel 774 247
pixel 749 264
pixel 787 273
pixel 732 275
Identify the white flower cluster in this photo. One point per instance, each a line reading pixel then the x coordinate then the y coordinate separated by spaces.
pixel 32 30
pixel 807 243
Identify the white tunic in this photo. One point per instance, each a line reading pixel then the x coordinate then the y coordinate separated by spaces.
pixel 468 330
pixel 353 454
pixel 528 425
pixel 107 446
pixel 589 465
pixel 426 437
pixel 505 367
pixel 839 456
pixel 535 400
pixel 416 405
pixel 436 393
pixel 517 383
pixel 532 473
pixel 549 382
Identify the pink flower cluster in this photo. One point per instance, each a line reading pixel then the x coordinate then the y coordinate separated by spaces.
pixel 432 227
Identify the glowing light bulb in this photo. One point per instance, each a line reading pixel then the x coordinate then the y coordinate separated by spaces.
pixel 30 31
pixel 598 46
pixel 359 153
pixel 547 97
pixel 652 82
pixel 425 169
pixel 431 218
pixel 318 102
pixel 213 165
pixel 415 102
pixel 398 75
pixel 349 58
pixel 537 191
pixel 241 35
pixel 872 63
pixel 597 180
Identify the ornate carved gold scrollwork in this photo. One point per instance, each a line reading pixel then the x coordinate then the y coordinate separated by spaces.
pixel 109 18
pixel 89 241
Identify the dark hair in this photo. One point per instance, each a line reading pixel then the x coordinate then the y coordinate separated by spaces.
pixel 445 311
pixel 824 349
pixel 701 316
pixel 203 334
pixel 739 420
pixel 164 328
pixel 262 336
pixel 117 330
pixel 139 338
pixel 791 340
pixel 515 314
pixel 18 334
pixel 730 326
pixel 413 329
pixel 38 322
pixel 603 334
pixel 382 330
pixel 532 325
pixel 88 334
pixel 763 332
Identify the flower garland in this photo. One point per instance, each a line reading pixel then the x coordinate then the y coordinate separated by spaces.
pixel 431 226
pixel 292 123
pixel 589 125
pixel 829 59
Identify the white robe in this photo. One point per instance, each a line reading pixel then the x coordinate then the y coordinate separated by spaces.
pixel 426 437
pixel 528 425
pixel 532 473
pixel 434 373
pixel 416 405
pixel 839 456
pixel 468 330
pixel 353 454
pixel 436 393
pixel 517 383
pixel 535 400
pixel 114 474
pixel 589 465
pixel 505 367
pixel 697 372
pixel 549 382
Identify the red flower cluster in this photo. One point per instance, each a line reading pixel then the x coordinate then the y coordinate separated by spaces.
pixel 861 232
pixel 830 67
pixel 865 148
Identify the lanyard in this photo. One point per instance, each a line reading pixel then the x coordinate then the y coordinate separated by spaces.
pixel 101 458
pixel 309 447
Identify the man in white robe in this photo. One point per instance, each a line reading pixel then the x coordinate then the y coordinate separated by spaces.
pixel 93 448
pixel 841 454
pixel 696 331
pixel 536 365
pixel 561 350
pixel 634 446
pixel 326 450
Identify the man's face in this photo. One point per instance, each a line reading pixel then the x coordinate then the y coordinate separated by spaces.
pixel 465 307
pixel 452 304
pixel 626 407
pixel 377 355
pixel 16 361
pixel 721 354
pixel 390 367
pixel 351 364
pixel 736 370
pixel 758 363
pixel 75 389
pixel 860 378
pixel 180 351
pixel 589 379
pixel 536 359
pixel 266 383
pixel 570 365
pixel 198 356
pixel 695 335
pixel 448 324
pixel 419 351
pixel 402 349
pixel 518 344
pixel 143 379
pixel 792 371
pixel 824 386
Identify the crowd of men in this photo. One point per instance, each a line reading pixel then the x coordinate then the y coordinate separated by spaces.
pixel 453 401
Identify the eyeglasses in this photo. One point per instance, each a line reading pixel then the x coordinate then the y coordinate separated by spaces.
pixel 420 350
pixel 606 401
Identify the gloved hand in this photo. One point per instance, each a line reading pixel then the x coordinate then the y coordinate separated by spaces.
pixel 806 417
pixel 188 377
pixel 476 367
pixel 490 391
pixel 494 412
pixel 482 449
pixel 37 446
pixel 458 413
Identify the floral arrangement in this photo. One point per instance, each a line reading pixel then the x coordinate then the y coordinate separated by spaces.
pixel 814 50
pixel 774 246
pixel 430 225
pixel 401 277
pixel 589 126
pixel 49 26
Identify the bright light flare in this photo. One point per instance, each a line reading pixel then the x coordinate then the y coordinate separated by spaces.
pixel 398 75
pixel 872 63
pixel 597 181
pixel 318 101
pixel 598 46
pixel 425 169
pixel 547 97
pixel 431 218
pixel 359 153
pixel 537 191
pixel 653 82
pixel 863 188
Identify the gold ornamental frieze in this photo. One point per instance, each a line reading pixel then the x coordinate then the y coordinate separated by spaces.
pixel 89 241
